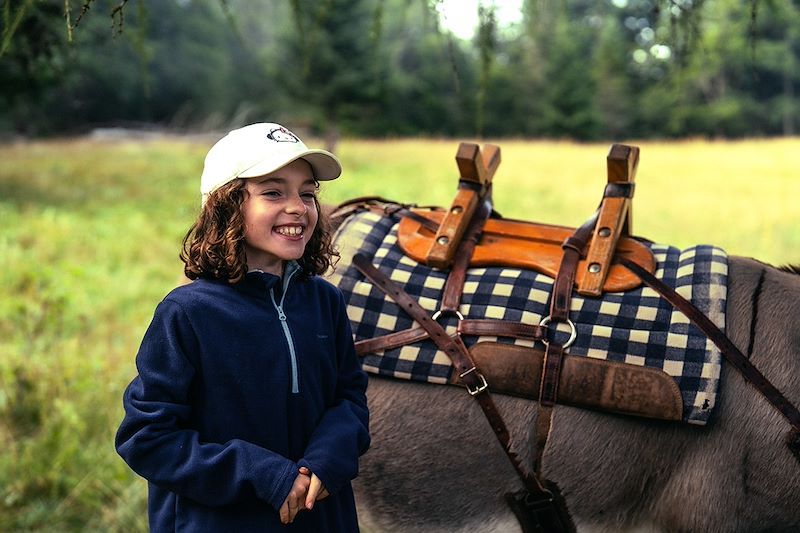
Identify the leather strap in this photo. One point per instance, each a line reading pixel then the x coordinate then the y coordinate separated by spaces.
pixel 618 189
pixel 500 328
pixel 391 340
pixel 424 222
pixel 729 350
pixel 459 355
pixel 560 300
pixel 545 507
pixel 454 286
pixel 476 327
pixel 382 206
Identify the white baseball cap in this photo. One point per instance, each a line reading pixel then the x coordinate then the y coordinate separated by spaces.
pixel 259 149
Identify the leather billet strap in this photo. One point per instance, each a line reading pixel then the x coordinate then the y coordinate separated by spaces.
pixel 454 348
pixel 729 350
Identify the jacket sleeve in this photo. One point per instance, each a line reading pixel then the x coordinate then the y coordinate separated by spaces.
pixel 343 432
pixel 157 442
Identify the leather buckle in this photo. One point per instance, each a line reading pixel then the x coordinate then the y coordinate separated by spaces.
pixel 480 388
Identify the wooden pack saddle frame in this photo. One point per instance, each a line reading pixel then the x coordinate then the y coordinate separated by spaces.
pixel 594 247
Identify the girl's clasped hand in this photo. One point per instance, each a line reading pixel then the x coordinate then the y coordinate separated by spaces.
pixel 306 490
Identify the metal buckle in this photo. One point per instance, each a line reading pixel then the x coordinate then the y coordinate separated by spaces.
pixel 480 388
pixel 573 334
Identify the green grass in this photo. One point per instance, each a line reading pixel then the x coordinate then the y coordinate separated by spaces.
pixel 89 244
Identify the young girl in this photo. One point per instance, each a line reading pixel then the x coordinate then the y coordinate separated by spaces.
pixel 249 411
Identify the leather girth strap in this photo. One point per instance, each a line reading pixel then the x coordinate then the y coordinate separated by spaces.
pixel 729 350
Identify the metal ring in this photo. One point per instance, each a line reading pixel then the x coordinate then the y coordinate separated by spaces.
pixel 440 312
pixel 573 334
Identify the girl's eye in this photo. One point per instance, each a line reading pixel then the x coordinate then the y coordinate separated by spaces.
pixel 308 196
pixel 271 194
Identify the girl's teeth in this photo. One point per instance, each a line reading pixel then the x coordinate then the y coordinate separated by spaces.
pixel 290 231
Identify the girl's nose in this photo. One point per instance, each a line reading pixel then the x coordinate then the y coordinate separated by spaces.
pixel 296 205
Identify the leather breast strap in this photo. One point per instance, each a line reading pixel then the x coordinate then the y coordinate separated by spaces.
pixel 543 508
pixel 729 350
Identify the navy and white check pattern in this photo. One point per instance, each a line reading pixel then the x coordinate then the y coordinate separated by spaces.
pixel 636 327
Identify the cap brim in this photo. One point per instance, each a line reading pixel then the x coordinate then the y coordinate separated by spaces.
pixel 324 165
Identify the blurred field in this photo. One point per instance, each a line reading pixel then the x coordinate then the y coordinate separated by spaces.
pixel 89 244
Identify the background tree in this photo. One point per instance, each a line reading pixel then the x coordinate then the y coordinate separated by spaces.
pixel 329 67
pixel 576 69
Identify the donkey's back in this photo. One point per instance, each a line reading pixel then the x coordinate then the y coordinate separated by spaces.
pixel 435 465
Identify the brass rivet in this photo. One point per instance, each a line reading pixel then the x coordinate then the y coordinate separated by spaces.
pixel 594 268
pixel 604 232
pixel 443 240
pixel 456 209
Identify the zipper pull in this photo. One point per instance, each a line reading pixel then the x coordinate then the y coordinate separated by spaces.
pixel 278 306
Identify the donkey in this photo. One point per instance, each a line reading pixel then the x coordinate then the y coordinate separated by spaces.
pixel 435 465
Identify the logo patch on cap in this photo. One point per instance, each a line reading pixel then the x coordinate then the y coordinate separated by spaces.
pixel 282 135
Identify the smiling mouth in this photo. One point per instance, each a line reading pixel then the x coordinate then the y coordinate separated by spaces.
pixel 290 231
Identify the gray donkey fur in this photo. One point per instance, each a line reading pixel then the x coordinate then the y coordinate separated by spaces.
pixel 434 464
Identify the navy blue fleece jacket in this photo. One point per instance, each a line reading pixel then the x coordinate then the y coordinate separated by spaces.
pixel 240 385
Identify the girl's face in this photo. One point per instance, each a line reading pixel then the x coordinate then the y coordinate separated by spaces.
pixel 280 215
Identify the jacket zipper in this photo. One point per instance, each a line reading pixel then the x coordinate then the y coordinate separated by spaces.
pixel 286 332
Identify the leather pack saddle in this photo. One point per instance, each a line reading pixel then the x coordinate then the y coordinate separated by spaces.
pixel 432 236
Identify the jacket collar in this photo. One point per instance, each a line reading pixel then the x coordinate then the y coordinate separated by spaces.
pixel 258 283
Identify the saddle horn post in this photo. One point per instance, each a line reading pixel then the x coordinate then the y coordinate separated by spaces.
pixel 615 218
pixel 476 171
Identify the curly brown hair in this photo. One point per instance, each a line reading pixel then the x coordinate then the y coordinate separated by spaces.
pixel 213 248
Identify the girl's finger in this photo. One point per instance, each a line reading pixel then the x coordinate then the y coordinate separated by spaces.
pixel 313 490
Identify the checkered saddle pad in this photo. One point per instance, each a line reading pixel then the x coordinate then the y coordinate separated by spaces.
pixel 635 327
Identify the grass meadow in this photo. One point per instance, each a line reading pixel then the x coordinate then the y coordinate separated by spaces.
pixel 89 237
